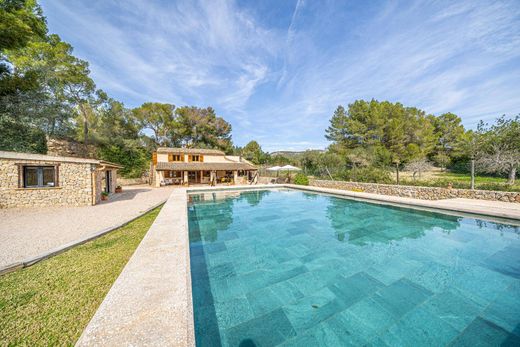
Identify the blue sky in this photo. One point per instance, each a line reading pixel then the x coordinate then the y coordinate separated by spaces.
pixel 277 69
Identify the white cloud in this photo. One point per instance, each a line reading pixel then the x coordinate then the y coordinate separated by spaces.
pixel 185 51
pixel 280 84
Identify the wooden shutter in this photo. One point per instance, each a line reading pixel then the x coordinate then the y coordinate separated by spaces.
pixel 154 158
pixel 201 158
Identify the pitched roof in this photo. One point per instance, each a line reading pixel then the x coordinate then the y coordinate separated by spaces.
pixel 190 150
pixel 204 166
pixel 58 159
pixel 43 157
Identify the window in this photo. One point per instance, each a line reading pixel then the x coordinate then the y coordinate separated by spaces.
pixel 172 174
pixel 195 157
pixel 39 176
pixel 175 157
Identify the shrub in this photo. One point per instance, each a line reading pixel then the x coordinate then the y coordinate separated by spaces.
pixel 128 153
pixel 369 175
pixel 301 179
pixel 460 166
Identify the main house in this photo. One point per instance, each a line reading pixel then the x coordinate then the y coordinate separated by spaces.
pixel 42 180
pixel 185 166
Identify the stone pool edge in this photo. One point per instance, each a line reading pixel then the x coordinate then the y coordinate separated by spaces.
pixel 150 303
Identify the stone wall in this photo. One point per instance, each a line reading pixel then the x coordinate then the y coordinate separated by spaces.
pixel 69 148
pixel 98 181
pixel 425 193
pixel 268 180
pixel 132 181
pixel 75 186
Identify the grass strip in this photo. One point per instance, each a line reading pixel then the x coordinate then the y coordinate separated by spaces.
pixel 52 302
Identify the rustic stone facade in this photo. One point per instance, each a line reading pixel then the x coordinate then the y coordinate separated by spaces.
pixel 425 193
pixel 98 188
pixel 74 188
pixel 77 182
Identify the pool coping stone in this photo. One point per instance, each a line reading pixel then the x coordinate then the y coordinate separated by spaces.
pixel 150 303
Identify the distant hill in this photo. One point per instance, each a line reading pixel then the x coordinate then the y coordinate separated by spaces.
pixel 294 153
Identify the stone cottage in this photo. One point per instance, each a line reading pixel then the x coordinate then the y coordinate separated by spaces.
pixel 187 166
pixel 41 180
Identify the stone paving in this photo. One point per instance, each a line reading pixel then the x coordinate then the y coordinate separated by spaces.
pixel 150 302
pixel 29 232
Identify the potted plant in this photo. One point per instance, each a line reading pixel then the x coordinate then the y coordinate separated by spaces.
pixel 104 196
pixel 119 189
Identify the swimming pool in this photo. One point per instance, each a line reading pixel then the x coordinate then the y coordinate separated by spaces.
pixel 287 267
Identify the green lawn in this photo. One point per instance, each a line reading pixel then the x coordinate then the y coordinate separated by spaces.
pixel 483 181
pixel 51 302
pixel 462 181
pixel 460 177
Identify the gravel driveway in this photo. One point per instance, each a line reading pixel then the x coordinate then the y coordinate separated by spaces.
pixel 26 233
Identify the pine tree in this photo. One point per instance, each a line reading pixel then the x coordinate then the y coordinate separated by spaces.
pixel 338 128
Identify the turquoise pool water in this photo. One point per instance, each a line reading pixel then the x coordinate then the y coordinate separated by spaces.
pixel 285 267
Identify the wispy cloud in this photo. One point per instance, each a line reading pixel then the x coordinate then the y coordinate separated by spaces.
pixel 183 52
pixel 278 70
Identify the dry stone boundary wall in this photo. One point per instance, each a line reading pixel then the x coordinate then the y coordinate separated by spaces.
pixel 425 193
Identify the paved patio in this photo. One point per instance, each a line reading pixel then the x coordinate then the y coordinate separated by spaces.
pixel 26 233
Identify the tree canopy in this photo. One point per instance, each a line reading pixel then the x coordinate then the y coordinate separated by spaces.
pixel 254 153
pixel 500 147
pixel 45 91
pixel 389 133
pixel 383 134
